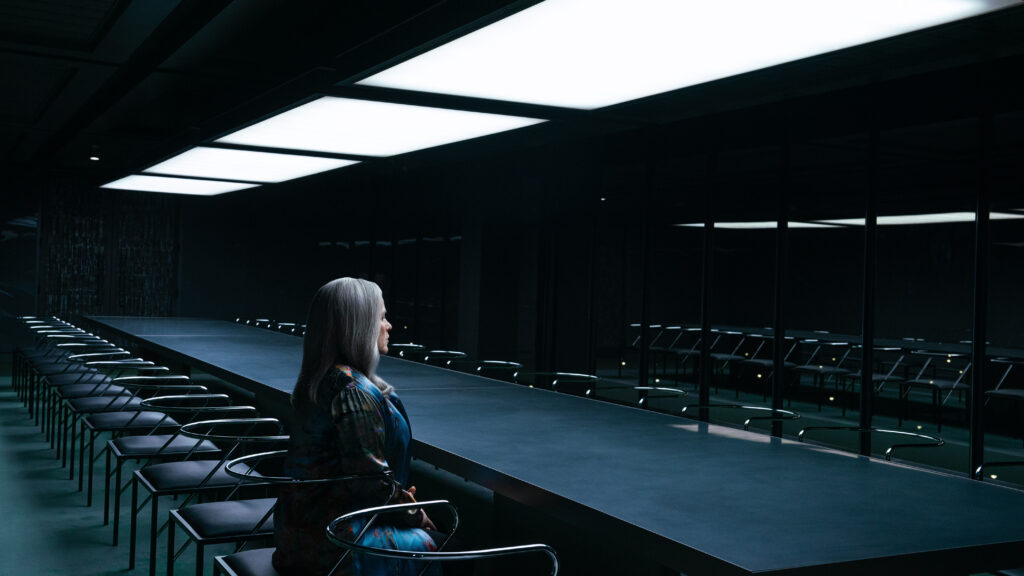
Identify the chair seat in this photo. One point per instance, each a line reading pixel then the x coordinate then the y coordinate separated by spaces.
pixel 765 363
pixel 257 562
pixel 1010 393
pixel 75 377
pixel 230 519
pixel 154 445
pixel 936 383
pixel 877 377
pixel 90 404
pixel 724 356
pixel 144 420
pixel 823 370
pixel 86 390
pixel 51 369
pixel 184 476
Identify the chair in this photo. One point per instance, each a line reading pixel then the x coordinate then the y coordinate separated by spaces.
pixel 196 477
pixel 495 369
pixel 1013 395
pixel 947 374
pixel 762 362
pixel 761 412
pixel 498 369
pixel 740 346
pixel 134 390
pixel 334 530
pixel 567 382
pixel 827 365
pixel 186 408
pixel 201 522
pixel 249 563
pixel 927 441
pixel 119 422
pixel 887 360
pixel 407 351
pixel 442 358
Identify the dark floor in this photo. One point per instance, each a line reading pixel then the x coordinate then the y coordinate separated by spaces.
pixel 47 527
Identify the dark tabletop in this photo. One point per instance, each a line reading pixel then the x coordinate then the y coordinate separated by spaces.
pixel 697 497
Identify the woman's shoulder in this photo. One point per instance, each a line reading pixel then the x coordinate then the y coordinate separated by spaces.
pixel 342 380
pixel 334 382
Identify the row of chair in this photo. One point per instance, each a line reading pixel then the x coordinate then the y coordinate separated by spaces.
pixel 745 360
pixel 186 442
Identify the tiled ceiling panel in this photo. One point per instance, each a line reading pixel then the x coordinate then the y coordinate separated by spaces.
pixel 68 24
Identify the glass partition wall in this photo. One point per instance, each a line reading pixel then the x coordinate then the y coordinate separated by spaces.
pixel 879 245
pixel 1003 423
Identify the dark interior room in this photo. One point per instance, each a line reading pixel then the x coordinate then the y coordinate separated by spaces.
pixel 589 304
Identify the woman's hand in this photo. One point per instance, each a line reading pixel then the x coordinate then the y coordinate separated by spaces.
pixel 425 523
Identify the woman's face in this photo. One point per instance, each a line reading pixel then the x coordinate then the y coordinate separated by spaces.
pixel 385 327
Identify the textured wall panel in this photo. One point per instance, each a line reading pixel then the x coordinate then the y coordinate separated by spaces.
pixel 107 252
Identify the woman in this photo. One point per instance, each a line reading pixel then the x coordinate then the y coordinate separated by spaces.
pixel 345 421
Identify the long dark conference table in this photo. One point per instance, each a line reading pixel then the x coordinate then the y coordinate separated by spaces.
pixel 698 498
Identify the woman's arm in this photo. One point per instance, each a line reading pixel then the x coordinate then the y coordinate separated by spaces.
pixel 359 421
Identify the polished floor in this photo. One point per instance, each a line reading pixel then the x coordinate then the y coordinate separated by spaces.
pixel 47 529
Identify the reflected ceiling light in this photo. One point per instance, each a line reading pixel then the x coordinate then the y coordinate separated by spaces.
pixel 910 219
pixel 176 185
pixel 202 162
pixel 369 128
pixel 594 53
pixel 767 225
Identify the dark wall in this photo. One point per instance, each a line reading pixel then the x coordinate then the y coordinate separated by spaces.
pixel 18 239
pixel 106 251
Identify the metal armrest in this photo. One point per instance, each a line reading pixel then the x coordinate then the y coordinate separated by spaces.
pixel 90 357
pixel 245 468
pixel 250 430
pixel 375 512
pixel 929 441
pixel 773 414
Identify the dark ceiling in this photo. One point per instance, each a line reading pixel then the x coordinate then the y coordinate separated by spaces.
pixel 134 82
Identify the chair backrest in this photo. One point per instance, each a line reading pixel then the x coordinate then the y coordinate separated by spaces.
pixel 568 382
pixel 442 357
pixel 945 365
pixel 191 407
pixel 407 350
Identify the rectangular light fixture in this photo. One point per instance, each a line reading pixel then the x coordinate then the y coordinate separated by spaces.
pixel 176 185
pixel 594 53
pixel 370 128
pixel 245 165
pixel 766 225
pixel 910 219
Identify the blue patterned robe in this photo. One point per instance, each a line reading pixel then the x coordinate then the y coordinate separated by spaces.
pixel 351 429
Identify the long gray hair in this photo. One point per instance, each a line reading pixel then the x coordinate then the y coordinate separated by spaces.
pixel 342 328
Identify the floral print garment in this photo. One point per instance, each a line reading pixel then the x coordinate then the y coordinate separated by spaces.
pixel 351 429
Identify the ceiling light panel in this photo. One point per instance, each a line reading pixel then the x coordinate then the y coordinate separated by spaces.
pixel 176 185
pixel 245 165
pixel 594 53
pixel 938 218
pixel 766 225
pixel 368 128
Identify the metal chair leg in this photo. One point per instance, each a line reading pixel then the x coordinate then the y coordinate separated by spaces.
pixel 134 523
pixel 153 525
